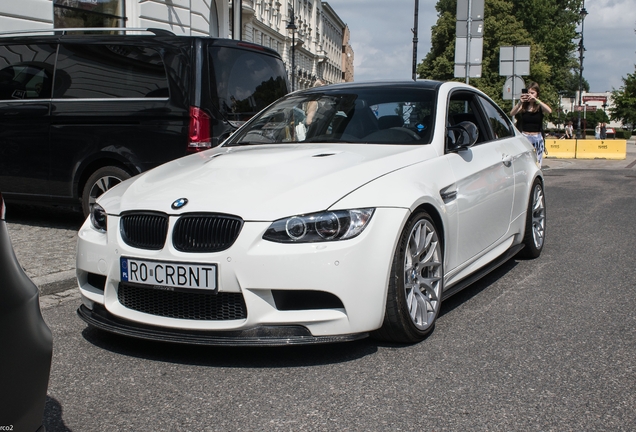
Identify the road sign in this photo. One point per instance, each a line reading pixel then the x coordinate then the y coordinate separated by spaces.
pixel 594 98
pixel 476 10
pixel 469 44
pixel 474 72
pixel 514 60
pixel 476 29
pixel 584 108
pixel 476 51
pixel 509 88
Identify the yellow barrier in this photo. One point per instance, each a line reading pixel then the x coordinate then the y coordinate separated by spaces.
pixel 560 148
pixel 601 149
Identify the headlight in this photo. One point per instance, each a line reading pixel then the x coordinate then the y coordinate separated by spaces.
pixel 98 218
pixel 319 227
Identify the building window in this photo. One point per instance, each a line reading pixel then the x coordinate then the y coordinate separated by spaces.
pixel 88 13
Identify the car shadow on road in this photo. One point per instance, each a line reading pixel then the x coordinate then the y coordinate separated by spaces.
pixel 236 357
pixel 477 287
pixel 49 217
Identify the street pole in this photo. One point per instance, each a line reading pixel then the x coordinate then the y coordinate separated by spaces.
pixel 583 14
pixel 292 26
pixel 468 37
pixel 414 30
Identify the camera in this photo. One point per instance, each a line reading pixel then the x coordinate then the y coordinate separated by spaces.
pixel 524 90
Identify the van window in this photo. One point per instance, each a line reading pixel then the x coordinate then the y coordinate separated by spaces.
pixel 109 71
pixel 26 71
pixel 246 82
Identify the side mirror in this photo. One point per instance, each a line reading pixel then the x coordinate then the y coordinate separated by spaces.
pixel 461 136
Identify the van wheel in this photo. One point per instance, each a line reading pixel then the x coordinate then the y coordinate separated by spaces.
pixel 98 183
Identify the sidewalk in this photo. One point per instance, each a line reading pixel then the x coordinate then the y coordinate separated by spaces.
pixel 45 242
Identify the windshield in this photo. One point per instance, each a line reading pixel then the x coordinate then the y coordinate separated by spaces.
pixel 374 115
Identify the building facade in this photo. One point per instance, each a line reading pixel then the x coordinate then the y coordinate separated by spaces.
pixel 318 47
pixel 591 101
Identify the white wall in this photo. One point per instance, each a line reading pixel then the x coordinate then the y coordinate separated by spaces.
pixel 25 15
pixel 187 17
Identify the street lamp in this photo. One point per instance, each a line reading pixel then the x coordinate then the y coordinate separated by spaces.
pixel 583 14
pixel 292 26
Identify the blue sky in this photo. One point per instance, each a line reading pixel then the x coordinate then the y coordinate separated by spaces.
pixel 382 40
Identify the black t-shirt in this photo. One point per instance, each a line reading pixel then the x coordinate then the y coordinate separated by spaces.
pixel 532 121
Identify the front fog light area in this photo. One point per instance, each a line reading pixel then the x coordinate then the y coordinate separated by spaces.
pixel 319 227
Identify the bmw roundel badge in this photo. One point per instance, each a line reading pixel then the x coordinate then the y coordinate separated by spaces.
pixel 180 203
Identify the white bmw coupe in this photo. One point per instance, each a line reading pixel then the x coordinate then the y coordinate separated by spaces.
pixel 336 213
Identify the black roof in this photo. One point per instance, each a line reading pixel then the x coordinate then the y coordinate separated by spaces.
pixel 152 36
pixel 360 85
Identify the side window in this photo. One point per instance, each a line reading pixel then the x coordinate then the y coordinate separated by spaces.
pixel 26 71
pixel 499 123
pixel 463 106
pixel 109 71
pixel 245 82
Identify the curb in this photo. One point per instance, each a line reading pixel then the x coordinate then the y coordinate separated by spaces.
pixel 56 282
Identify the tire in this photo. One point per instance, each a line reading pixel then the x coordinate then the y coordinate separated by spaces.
pixel 534 235
pixel 99 182
pixel 414 294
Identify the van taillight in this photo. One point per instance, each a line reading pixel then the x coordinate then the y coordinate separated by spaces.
pixel 199 136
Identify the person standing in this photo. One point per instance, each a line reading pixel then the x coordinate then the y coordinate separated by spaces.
pixel 531 110
pixel 569 131
pixel 603 131
pixel 597 131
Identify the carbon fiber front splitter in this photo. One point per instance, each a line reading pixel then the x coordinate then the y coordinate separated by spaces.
pixel 100 318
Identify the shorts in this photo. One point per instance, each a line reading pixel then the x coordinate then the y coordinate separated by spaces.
pixel 538 144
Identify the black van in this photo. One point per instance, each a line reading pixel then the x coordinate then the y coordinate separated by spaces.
pixel 79 113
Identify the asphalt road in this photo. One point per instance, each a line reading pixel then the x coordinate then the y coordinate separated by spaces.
pixel 546 344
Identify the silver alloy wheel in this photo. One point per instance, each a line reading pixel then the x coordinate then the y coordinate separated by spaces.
pixel 538 217
pixel 100 186
pixel 423 274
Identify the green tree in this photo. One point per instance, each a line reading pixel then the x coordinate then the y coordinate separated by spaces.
pixel 624 109
pixel 548 26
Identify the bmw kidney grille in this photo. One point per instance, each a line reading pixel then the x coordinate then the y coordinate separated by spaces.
pixel 200 233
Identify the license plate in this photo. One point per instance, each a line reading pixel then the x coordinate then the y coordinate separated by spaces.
pixel 169 275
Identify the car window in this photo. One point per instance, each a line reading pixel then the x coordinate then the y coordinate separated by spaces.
pixel 245 82
pixel 26 71
pixel 375 116
pixel 499 123
pixel 463 106
pixel 109 71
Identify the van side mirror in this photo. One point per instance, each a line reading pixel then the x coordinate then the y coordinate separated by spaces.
pixel 461 136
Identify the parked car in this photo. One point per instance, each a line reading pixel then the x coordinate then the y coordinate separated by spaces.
pixel 79 113
pixel 26 344
pixel 394 197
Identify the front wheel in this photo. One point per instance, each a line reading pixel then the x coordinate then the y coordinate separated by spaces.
pixel 98 183
pixel 534 235
pixel 414 295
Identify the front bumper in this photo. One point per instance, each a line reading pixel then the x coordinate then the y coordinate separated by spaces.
pixel 355 271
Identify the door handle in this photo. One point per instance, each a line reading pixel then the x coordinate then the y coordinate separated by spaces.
pixel 506 160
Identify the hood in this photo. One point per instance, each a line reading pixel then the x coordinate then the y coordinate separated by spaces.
pixel 262 183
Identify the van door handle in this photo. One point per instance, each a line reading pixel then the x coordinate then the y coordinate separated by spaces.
pixel 506 160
